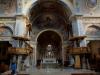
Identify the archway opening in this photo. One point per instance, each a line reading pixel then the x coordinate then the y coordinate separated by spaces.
pixel 54 15
pixel 49 48
pixel 5 33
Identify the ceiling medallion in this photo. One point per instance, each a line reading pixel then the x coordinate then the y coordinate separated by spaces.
pixel 91 4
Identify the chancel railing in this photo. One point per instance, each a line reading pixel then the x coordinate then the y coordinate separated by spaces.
pixel 49 58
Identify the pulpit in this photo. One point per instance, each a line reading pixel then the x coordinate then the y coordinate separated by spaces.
pixel 77 50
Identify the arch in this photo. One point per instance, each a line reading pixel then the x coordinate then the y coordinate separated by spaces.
pixel 67 4
pixel 6 27
pixel 49 30
pixel 94 26
pixel 92 30
pixel 48 38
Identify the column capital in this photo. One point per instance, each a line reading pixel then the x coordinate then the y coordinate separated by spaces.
pixel 22 15
pixel 74 17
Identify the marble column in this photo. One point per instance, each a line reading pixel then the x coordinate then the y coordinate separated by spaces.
pixel 63 53
pixel 78 28
pixel 19 63
pixel 75 26
pixel 20 28
pixel 27 64
pixel 77 62
pixel 84 62
pixel 81 30
pixel 81 33
pixel 19 6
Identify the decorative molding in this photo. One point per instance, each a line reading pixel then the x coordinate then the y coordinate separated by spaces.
pixel 76 16
pixel 91 20
pixel 10 25
pixel 6 38
pixel 91 4
pixel 91 26
pixel 7 20
pixel 92 38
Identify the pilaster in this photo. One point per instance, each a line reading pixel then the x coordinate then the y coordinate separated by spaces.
pixel 19 6
pixel 78 28
pixel 20 28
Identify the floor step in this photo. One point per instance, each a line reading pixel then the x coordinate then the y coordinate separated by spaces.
pixel 20 74
pixel 84 74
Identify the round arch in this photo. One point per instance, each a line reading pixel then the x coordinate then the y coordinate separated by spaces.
pixel 49 30
pixel 63 4
pixel 45 38
pixel 67 4
pixel 8 28
pixel 92 30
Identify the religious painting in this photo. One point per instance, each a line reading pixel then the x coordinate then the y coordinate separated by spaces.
pixel 91 3
pixel 93 30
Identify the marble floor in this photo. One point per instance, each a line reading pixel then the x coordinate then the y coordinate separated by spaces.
pixel 67 71
pixel 50 71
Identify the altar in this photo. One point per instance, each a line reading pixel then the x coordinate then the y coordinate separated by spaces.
pixel 49 60
pixel 49 63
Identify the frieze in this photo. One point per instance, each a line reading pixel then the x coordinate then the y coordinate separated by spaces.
pixel 5 38
pixel 91 20
pixel 92 26
pixel 7 20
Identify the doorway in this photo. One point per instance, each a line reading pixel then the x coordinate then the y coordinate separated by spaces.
pixel 4 56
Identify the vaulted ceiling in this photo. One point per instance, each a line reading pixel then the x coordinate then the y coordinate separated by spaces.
pixel 51 14
pixel 51 10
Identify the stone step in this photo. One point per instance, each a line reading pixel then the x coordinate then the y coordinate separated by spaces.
pixel 20 74
pixel 84 74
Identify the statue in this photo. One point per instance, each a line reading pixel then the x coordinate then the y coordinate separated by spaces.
pixel 49 50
